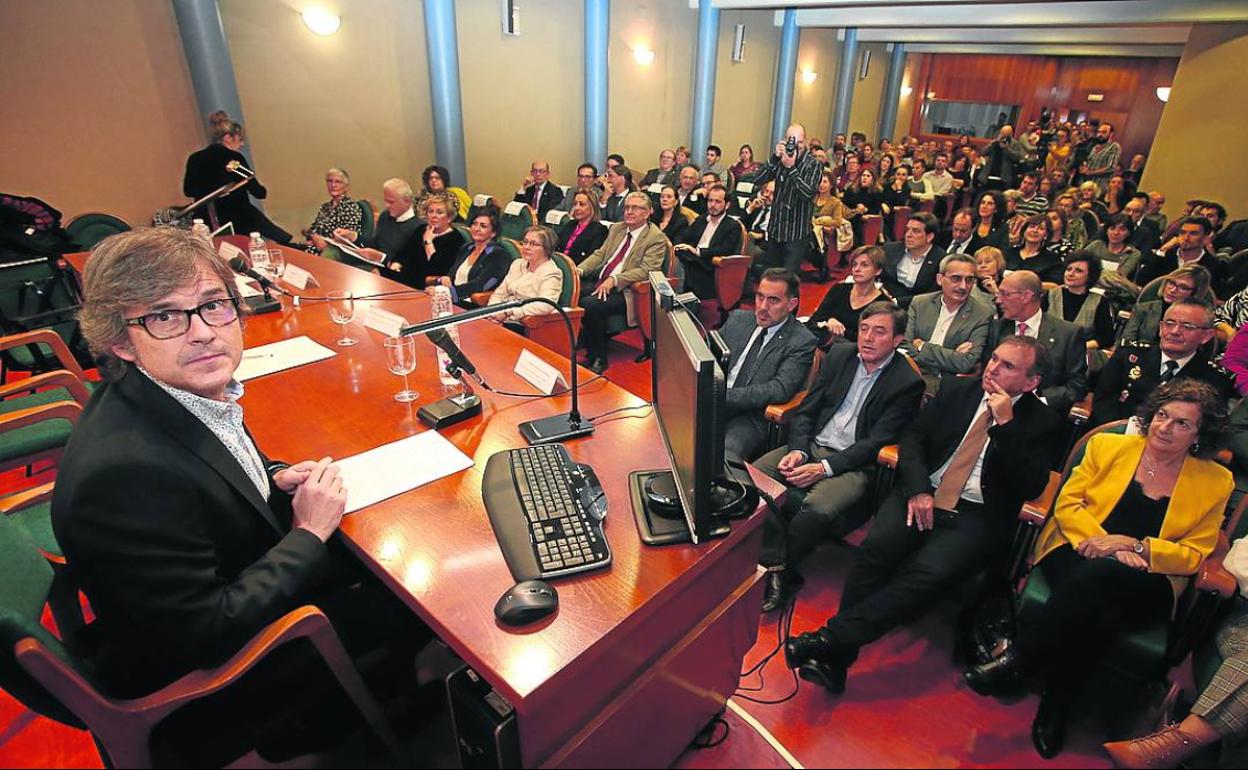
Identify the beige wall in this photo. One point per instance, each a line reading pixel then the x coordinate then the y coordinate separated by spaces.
pixel 99 114
pixel 818 51
pixel 864 113
pixel 1190 158
pixel 744 90
pixel 358 99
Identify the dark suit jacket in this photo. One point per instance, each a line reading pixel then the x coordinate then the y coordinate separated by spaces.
pixel 700 268
pixel 181 557
pixel 1067 379
pixel 1154 266
pixel 926 282
pixel 613 207
pixel 552 195
pixel 945 239
pixel 1019 453
pixel 893 400
pixel 489 271
pixel 676 226
pixel 1134 371
pixel 780 369
pixel 593 236
pixel 653 177
pixel 696 202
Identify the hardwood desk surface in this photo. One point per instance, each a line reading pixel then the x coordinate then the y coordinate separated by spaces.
pixel 434 546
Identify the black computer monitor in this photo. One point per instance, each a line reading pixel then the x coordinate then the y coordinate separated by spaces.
pixel 689 388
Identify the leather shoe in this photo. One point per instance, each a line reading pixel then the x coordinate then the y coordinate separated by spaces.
pixel 1169 747
pixel 816 660
pixel 997 675
pixel 647 352
pixel 781 586
pixel 1048 731
pixel 598 365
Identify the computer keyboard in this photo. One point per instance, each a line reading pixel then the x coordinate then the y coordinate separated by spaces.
pixel 547 512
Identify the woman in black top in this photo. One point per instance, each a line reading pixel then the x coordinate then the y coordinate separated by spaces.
pixel 668 217
pixel 1033 253
pixel 836 319
pixel 990 216
pixel 863 196
pixel 581 234
pixel 434 247
pixel 482 263
pixel 209 168
pixel 1075 302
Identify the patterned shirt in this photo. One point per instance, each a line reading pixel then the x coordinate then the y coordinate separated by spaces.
pixel 794 203
pixel 225 420
pixel 1234 311
pixel 1103 157
pixel 345 213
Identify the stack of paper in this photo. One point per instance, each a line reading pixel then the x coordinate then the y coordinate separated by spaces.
pixel 278 356
pixel 392 469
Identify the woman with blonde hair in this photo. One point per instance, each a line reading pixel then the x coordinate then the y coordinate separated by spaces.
pixel 536 275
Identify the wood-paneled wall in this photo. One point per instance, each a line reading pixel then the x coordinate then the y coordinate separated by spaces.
pixel 1060 83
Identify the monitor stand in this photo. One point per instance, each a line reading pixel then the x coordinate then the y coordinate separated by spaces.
pixel 657 510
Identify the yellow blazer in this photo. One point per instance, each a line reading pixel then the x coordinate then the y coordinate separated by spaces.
pixel 1189 531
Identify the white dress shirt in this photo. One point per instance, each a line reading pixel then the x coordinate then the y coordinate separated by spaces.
pixel 943 322
pixel 972 491
pixel 1033 325
pixel 712 224
pixel 909 267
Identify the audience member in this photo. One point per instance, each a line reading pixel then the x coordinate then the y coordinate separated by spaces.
pixel 1033 253
pixel 975 454
pixel 1076 228
pixel 797 179
pixel 771 357
pixel 1031 203
pixel 1145 234
pixel 669 217
pixel 946 330
pixel 666 173
pixel 836 318
pixel 1001 157
pixel 1116 194
pixel 1190 251
pixel 340 211
pixel 960 237
pixel 1145 322
pixel 1059 153
pixel 911 266
pixel 1137 516
pixel 1058 243
pixel 581 233
pixel 395 226
pixel 586 179
pixel 538 191
pixel 437 181
pixel 714 234
pixel 619 181
pixel 712 165
pixel 865 394
pixel 1102 161
pixel 1234 312
pixel 757 219
pixel 535 275
pixel 1074 300
pixel 989 271
pixel 482 262
pixel 1115 246
pixel 1154 214
pixel 688 186
pixel 746 167
pixel 990 220
pixel 432 250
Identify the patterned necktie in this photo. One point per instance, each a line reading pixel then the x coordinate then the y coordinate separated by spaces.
pixel 617 259
pixel 963 462
pixel 1022 328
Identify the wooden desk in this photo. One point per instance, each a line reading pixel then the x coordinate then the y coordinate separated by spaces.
pixel 639 656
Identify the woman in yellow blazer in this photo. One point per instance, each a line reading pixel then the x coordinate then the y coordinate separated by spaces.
pixel 1136 518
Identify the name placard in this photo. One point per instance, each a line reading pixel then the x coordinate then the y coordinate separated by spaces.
pixel 229 251
pixel 298 277
pixel 389 324
pixel 540 374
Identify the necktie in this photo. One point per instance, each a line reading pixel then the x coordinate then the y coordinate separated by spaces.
pixel 1171 369
pixel 1022 328
pixel 617 259
pixel 751 355
pixel 963 462
pixel 537 196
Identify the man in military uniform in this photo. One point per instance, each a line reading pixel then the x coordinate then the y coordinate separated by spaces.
pixel 1138 367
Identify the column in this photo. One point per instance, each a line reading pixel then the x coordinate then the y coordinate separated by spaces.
pixel 704 78
pixel 597 29
pixel 208 58
pixel 448 113
pixel 846 76
pixel 786 75
pixel 892 93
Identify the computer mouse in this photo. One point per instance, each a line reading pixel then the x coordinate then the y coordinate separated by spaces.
pixel 525 602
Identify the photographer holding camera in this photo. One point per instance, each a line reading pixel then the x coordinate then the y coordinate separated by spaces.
pixel 1000 159
pixel 796 173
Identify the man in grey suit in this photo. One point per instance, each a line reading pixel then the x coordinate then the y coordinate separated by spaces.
pixel 946 330
pixel 771 356
pixel 1066 380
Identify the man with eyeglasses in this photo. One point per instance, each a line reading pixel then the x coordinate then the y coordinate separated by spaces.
pixel 586 180
pixel 538 191
pixel 665 173
pixel 946 330
pixel 184 536
pixel 1136 368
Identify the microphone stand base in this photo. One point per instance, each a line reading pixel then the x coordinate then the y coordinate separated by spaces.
pixel 258 305
pixel 549 430
pixel 448 411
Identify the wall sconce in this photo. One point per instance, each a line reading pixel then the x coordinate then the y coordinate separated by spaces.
pixel 906 91
pixel 1163 93
pixel 321 21
pixel 643 55
pixel 931 94
pixel 809 76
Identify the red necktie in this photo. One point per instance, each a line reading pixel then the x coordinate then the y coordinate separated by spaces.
pixel 537 196
pixel 1022 329
pixel 617 259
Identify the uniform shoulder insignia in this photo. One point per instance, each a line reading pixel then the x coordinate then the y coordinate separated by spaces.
pixel 1138 344
pixel 1221 370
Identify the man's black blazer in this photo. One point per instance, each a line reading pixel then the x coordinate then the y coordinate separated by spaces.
pixel 700 268
pixel 552 195
pixel 945 238
pixel 893 254
pixel 1019 455
pixel 1134 371
pixel 893 401
pixel 1066 382
pixel 1155 266
pixel 181 557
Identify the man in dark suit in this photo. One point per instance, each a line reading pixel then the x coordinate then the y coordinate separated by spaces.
pixel 687 187
pixel 619 181
pixel 911 265
pixel 1066 379
pixel 665 173
pixel 1136 368
pixel 771 357
pixel 1145 236
pixel 864 395
pixel 1191 250
pixel 975 454
pixel 714 234
pixel 960 238
pixel 538 191
pixel 186 539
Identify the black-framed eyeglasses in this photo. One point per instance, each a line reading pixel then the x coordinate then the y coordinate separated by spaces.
pixel 174 322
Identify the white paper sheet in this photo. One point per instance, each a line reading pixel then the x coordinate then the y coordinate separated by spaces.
pixel 279 356
pixel 392 469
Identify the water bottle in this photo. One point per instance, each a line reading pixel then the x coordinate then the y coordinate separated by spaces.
pixel 441 305
pixel 258 252
pixel 200 230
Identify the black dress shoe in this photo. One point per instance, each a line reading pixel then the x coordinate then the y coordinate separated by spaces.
pixel 817 661
pixel 996 676
pixel 1048 731
pixel 644 357
pixel 781 586
pixel 598 365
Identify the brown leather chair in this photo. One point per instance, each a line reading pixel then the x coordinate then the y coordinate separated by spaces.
pixel 779 415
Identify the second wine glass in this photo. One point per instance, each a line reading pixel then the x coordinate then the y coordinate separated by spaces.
pixel 342 311
pixel 401 360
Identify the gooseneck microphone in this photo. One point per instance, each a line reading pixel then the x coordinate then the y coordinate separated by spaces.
pixel 267 303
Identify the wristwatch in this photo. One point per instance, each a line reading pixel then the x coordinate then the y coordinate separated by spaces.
pixel 1138 547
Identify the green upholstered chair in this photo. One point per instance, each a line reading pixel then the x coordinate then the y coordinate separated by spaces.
pixel 39 294
pixel 50 678
pixel 86 230
pixel 31 511
pixel 517 217
pixel 368 220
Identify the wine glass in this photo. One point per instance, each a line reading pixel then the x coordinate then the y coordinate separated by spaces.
pixel 342 311
pixel 401 359
pixel 277 263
